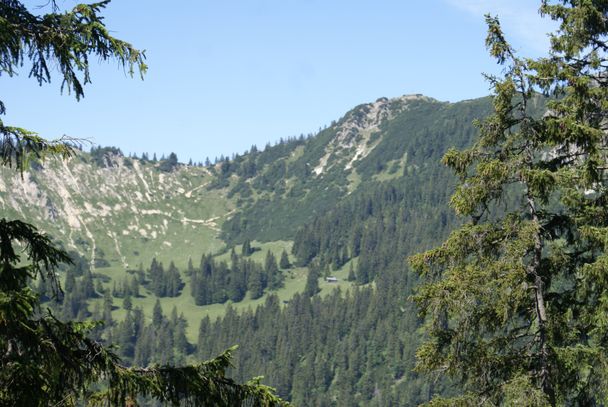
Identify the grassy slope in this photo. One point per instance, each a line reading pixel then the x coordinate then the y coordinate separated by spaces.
pixel 294 282
pixel 132 227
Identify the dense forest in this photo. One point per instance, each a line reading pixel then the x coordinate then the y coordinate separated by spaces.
pixel 349 346
pixel 342 347
pixel 352 346
pixel 413 251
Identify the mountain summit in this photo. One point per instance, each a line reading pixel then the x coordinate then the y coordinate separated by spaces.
pixel 119 210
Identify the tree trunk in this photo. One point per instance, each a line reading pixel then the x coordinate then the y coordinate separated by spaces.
pixel 539 302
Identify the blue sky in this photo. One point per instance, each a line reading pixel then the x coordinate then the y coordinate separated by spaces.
pixel 224 75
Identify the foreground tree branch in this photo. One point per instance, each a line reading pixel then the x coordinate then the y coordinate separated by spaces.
pixel 44 361
pixel 534 252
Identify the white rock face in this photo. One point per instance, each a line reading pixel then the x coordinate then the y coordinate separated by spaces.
pixel 354 134
pixel 88 207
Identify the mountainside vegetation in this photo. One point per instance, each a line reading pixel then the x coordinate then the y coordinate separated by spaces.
pixel 44 360
pixel 321 256
pixel 120 215
pixel 515 299
pixel 373 218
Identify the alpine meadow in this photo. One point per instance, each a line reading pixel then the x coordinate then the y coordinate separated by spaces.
pixel 412 252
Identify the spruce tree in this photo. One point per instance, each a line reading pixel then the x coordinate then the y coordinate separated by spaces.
pixel 70 281
pixel 255 283
pixel 312 281
pixel 174 281
pixel 246 249
pixel 190 269
pixel 515 298
pixel 157 314
pixel 124 336
pixel 127 303
pixel 284 261
pixel 87 285
pixel 134 287
pixel 180 340
pixel 271 269
pixel 351 273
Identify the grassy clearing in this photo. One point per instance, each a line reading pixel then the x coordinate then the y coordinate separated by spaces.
pixel 354 179
pixel 341 274
pixel 295 281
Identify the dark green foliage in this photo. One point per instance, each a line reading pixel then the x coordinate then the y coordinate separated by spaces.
pixel 266 168
pixel 423 132
pixel 157 314
pixel 247 249
pixel 72 304
pixel 78 264
pixel 375 227
pixel 163 341
pixel 126 288
pixel 284 262
pixel 87 290
pixel 210 282
pixel 342 349
pixel 103 156
pixel 380 226
pixel 274 276
pixel 100 260
pixel 216 282
pixel 134 287
pixel 385 221
pixel 237 279
pixel 312 281
pixel 127 303
pixel 181 344
pixel 514 299
pixel 368 354
pixel 168 164
pixel 351 273
pixel 44 361
pixel 173 284
pixel 417 137
pixel 190 269
pixel 164 283
pixel 108 306
pixel 256 283
pixel 70 281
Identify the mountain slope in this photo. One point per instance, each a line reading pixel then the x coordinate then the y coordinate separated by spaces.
pixel 387 139
pixel 352 202
pixel 119 213
pixel 123 213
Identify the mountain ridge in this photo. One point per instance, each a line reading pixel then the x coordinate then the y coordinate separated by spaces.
pixel 89 206
pixel 380 194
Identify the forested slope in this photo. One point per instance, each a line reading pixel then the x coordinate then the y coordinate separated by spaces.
pixel 161 249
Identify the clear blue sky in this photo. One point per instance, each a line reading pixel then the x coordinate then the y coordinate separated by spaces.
pixel 224 75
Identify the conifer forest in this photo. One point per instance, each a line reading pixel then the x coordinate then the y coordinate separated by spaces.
pixel 412 252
